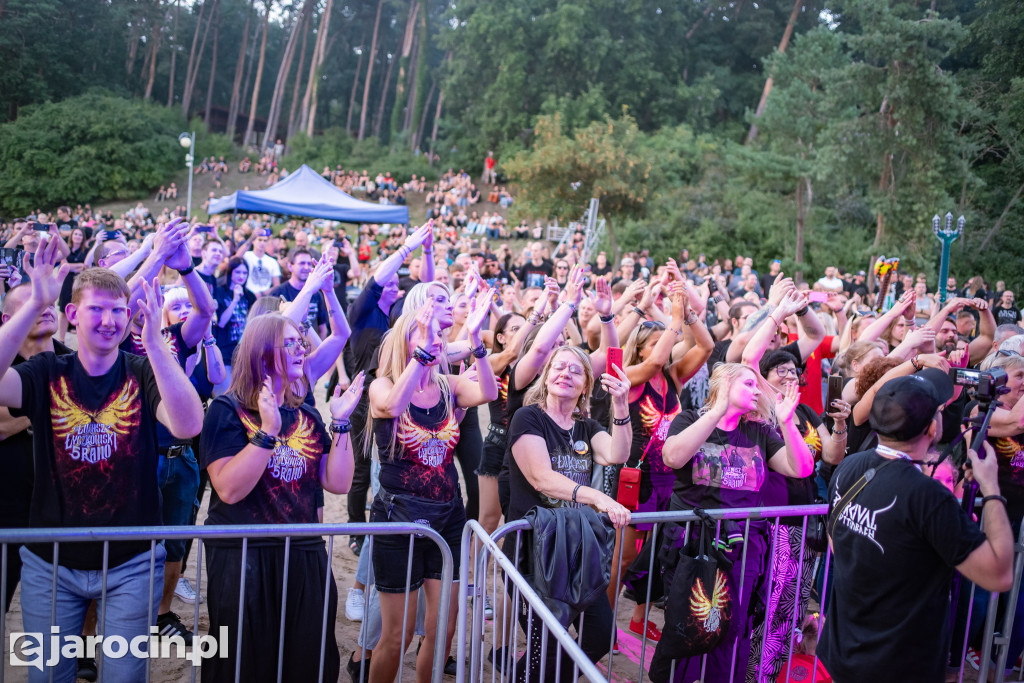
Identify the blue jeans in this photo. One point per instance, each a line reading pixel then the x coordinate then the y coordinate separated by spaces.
pixel 128 612
pixel 178 479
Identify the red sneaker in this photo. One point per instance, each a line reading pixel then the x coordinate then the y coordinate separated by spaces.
pixel 652 631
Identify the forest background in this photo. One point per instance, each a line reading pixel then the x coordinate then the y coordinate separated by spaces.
pixel 821 133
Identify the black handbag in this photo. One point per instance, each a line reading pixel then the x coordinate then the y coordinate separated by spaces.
pixel 816 538
pixel 700 599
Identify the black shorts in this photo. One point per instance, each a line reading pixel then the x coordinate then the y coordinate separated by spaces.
pixel 391 552
pixel 494 452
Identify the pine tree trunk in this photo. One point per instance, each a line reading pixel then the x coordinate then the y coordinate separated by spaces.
pixel 306 121
pixel 369 72
pixel 437 119
pixel 786 35
pixel 193 77
pixel 416 96
pixel 155 47
pixel 213 76
pixel 308 23
pixel 277 100
pixel 398 110
pixel 355 88
pixel 383 98
pixel 174 54
pixel 247 81
pixel 133 52
pixel 414 66
pixel 423 119
pixel 186 94
pixel 236 87
pixel 259 78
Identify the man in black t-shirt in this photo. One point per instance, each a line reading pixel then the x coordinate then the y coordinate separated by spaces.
pixel 537 269
pixel 300 266
pixel 95 455
pixel 897 541
pixel 1005 311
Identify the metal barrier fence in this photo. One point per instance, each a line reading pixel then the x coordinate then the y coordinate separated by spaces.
pixel 11 538
pixel 784 573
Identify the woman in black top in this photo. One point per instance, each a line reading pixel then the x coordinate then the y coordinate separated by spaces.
pixel 266 454
pixel 553 448
pixel 233 304
pixel 76 259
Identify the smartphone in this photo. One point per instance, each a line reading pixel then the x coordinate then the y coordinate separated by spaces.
pixel 712 285
pixel 41 227
pixel 204 228
pixel 817 297
pixel 111 234
pixel 11 257
pixel 835 391
pixel 614 359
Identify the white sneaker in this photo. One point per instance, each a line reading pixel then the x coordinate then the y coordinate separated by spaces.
pixel 488 608
pixel 185 592
pixel 354 604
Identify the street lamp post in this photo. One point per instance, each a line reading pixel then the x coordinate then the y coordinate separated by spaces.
pixel 188 141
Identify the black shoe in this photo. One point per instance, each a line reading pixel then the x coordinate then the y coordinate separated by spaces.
pixel 169 625
pixel 497 658
pixel 355 544
pixel 87 669
pixel 450 667
pixel 353 667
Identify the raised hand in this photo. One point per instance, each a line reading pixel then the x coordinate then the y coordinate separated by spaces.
pixel 921 337
pixel 46 277
pixel 602 297
pixel 780 288
pixel 574 286
pixel 270 412
pixel 342 405
pixel 673 269
pixel 696 302
pixel 480 310
pixel 617 385
pixel 790 303
pixel 151 305
pixel 786 403
pixel 419 236
pixel 322 275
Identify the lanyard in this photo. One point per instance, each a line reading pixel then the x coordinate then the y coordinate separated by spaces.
pixel 893 453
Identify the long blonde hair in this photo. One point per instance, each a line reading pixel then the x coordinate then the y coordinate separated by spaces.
pixel 722 377
pixel 636 341
pixel 538 393
pixel 259 354
pixel 395 355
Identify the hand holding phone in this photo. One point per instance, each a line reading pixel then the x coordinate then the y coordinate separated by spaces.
pixel 817 297
pixel 614 359
pixel 834 393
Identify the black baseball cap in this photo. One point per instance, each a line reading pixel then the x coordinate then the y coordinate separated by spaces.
pixel 905 406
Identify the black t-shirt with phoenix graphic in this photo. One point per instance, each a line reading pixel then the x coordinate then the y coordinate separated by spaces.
pixel 418 460
pixel 1010 452
pixel 286 491
pixel 651 414
pixel 95 451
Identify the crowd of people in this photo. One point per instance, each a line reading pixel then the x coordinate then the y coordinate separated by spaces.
pixel 198 347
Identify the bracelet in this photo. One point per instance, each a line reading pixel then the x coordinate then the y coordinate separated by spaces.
pixel 984 500
pixel 772 318
pixel 480 351
pixel 606 318
pixel 620 421
pixel 341 426
pixel 534 319
pixel 187 271
pixel 803 311
pixel 915 363
pixel 572 306
pixel 691 319
pixel 574 492
pixel 840 432
pixel 422 356
pixel 263 440
pixel 640 312
pixel 676 331
pixel 209 342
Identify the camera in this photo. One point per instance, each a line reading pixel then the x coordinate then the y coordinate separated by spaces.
pixel 987 384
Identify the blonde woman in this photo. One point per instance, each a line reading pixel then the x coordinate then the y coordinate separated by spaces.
pixel 721 455
pixel 412 406
pixel 553 448
pixel 267 453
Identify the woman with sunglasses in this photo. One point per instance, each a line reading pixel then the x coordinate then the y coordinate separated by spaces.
pixel 655 380
pixel 413 405
pixel 721 455
pixel 267 453
pixel 553 447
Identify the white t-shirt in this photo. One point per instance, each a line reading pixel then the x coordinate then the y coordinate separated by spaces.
pixel 262 271
pixel 831 283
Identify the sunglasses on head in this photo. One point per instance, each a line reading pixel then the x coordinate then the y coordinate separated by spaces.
pixel 652 325
pixel 1007 353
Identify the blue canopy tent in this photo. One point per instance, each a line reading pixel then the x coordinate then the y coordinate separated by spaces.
pixel 306 193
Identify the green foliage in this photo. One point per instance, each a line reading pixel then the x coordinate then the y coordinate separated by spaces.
pixel 93 148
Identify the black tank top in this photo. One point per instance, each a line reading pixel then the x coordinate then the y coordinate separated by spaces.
pixel 650 416
pixel 419 461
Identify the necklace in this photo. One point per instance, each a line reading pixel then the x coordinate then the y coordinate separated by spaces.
pixel 578 445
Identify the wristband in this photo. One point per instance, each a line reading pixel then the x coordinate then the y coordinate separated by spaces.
pixel 606 318
pixel 188 270
pixel 640 312
pixel 572 306
pixel 209 342
pixel 422 356
pixel 915 363
pixel 691 318
pixel 803 311
pixel 341 427
pixel 984 500
pixel 534 319
pixel 840 432
pixel 620 421
pixel 574 492
pixel 263 440
pixel 480 351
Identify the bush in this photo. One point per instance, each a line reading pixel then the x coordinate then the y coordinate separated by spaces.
pixel 92 148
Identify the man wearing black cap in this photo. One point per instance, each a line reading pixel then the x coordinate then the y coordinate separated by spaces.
pixel 897 535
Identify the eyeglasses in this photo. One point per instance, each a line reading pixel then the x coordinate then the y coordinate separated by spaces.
pixel 652 325
pixel 788 372
pixel 295 347
pixel 1007 353
pixel 561 365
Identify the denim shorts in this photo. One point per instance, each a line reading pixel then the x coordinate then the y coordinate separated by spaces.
pixel 493 453
pixel 391 558
pixel 178 479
